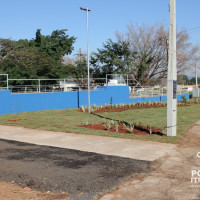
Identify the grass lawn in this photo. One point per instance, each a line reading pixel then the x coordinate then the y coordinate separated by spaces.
pixel 68 119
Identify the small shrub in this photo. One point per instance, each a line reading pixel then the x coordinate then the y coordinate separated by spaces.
pixel 111 100
pixel 150 130
pixel 83 108
pixel 124 125
pixel 112 122
pixel 184 99
pixel 109 125
pixel 116 127
pixel 131 128
pixel 85 123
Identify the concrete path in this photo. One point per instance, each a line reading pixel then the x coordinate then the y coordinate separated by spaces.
pixel 171 177
pixel 141 150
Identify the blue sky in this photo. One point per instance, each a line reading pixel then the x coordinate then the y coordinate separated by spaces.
pixel 21 18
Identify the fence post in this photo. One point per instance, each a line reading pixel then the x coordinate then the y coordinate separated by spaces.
pixel 39 85
pixel 7 81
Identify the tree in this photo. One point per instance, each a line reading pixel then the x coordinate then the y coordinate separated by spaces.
pixel 55 45
pixel 7 47
pixel 192 81
pixel 114 57
pixel 150 42
pixel 28 63
pixel 182 79
pixel 38 58
pixel 76 70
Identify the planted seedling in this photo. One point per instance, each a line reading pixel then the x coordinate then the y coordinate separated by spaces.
pixel 109 125
pixel 150 130
pixel 83 108
pixel 124 125
pixel 112 122
pixel 85 123
pixel 140 124
pixel 116 127
pixel 184 99
pixel 131 128
pixel 111 100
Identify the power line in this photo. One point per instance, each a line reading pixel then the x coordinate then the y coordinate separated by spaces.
pixel 195 29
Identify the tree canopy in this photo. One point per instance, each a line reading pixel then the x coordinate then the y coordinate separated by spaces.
pixel 37 58
pixel 142 51
pixel 114 57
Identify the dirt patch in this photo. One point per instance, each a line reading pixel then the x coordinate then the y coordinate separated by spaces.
pixel 14 120
pixel 118 108
pixel 121 129
pixel 10 191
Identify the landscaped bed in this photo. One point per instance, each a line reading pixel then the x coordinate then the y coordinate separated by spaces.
pixel 121 128
pixel 124 107
pixel 72 121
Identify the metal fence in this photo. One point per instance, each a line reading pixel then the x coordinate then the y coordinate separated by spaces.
pixel 138 92
pixel 18 86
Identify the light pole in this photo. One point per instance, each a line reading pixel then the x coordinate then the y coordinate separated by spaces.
pixel 88 65
pixel 172 74
pixel 196 75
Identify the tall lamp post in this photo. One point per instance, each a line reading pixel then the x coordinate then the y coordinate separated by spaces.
pixel 172 74
pixel 88 65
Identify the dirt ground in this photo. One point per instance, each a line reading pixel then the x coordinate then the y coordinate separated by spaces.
pixel 170 178
pixel 58 173
pixel 10 191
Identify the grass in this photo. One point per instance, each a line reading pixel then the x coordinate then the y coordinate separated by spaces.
pixel 68 119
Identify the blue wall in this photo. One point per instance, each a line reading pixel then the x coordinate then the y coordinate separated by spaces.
pixel 15 103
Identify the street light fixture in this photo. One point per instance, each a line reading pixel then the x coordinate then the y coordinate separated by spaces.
pixel 88 65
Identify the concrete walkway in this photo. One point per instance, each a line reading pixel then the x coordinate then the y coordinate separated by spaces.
pixel 141 150
pixel 171 177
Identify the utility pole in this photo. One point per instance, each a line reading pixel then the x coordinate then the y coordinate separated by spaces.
pixel 172 74
pixel 80 55
pixel 196 75
pixel 88 65
pixel 195 92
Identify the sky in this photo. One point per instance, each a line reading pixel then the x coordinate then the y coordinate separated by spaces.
pixel 21 18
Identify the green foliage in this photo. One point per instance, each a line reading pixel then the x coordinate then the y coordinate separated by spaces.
pixel 184 99
pixel 55 45
pixel 37 58
pixel 111 100
pixel 114 57
pixel 85 123
pixel 131 127
pixel 116 126
pixel 182 79
pixel 192 81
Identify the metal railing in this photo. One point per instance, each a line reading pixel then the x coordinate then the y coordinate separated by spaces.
pixel 21 86
pixel 138 92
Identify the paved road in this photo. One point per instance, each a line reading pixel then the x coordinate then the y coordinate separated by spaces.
pixel 82 175
pixel 140 150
